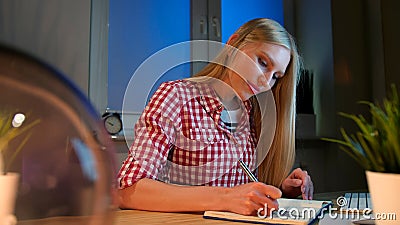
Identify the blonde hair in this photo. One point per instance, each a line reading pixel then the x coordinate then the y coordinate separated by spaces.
pixel 280 157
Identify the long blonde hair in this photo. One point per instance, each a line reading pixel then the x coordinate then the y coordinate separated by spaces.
pixel 280 157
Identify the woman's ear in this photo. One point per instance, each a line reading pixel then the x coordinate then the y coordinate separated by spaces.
pixel 232 39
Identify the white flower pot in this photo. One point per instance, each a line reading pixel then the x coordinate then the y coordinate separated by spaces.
pixel 8 194
pixel 385 195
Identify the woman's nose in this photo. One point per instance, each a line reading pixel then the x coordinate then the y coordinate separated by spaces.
pixel 266 81
pixel 269 79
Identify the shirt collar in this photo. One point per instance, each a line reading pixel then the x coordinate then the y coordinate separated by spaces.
pixel 209 99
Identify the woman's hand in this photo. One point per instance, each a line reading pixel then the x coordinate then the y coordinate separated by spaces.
pixel 252 199
pixel 298 183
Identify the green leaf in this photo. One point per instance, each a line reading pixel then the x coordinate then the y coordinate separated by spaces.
pixel 375 159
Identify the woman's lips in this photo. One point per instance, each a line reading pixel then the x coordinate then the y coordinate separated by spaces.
pixel 254 88
pixel 261 86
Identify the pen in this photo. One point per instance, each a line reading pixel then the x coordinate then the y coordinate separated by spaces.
pixel 247 171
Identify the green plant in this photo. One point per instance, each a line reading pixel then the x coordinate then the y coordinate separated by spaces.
pixel 376 146
pixel 8 132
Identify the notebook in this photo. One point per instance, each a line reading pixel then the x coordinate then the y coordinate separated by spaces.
pixel 291 211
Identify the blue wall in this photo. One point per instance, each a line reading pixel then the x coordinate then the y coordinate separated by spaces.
pixel 137 30
pixel 236 12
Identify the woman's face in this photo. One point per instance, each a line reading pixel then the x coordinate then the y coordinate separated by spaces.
pixel 256 68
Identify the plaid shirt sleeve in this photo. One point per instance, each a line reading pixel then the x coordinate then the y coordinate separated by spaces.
pixel 153 136
pixel 186 115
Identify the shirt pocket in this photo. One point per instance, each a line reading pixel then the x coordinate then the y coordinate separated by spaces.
pixel 206 135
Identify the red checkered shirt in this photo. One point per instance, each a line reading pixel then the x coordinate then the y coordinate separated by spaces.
pixel 181 139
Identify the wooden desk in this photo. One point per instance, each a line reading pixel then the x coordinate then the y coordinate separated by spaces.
pixel 133 217
pixel 130 217
pixel 138 217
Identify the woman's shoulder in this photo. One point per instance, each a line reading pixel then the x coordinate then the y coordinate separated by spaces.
pixel 183 86
pixel 171 84
pixel 170 96
pixel 172 90
pixel 180 83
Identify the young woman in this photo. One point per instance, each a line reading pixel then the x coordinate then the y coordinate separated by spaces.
pixel 194 133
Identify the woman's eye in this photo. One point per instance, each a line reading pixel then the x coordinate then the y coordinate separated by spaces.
pixel 262 62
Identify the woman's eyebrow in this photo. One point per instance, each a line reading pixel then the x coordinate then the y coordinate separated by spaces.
pixel 270 59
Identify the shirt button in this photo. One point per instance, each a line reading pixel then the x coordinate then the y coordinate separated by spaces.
pixel 209 139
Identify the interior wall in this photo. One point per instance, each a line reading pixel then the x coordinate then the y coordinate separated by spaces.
pixel 366 46
pixel 391 37
pixel 331 38
pixel 351 46
pixel 55 31
pixel 138 31
pixel 98 68
pixel 353 81
pixel 313 33
pixel 314 37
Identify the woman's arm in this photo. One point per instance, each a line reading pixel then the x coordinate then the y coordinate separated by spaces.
pixel 152 195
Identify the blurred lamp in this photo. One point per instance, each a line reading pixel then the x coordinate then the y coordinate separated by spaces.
pixel 66 163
